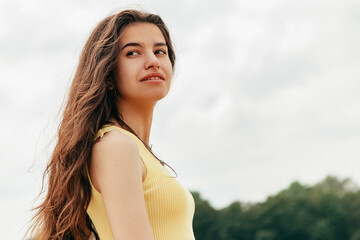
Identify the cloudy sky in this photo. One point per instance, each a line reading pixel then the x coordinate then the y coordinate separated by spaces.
pixel 265 93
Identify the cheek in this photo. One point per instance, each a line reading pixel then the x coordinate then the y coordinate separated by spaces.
pixel 123 70
pixel 125 73
pixel 122 80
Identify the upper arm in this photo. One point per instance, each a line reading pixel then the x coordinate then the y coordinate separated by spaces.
pixel 116 171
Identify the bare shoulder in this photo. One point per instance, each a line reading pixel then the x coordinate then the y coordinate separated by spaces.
pixel 116 172
pixel 115 141
pixel 115 156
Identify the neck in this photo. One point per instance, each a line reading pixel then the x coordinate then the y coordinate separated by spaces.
pixel 138 117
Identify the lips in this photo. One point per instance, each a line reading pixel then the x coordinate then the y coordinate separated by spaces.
pixel 153 76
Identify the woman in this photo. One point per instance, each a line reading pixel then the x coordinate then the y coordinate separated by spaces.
pixel 103 177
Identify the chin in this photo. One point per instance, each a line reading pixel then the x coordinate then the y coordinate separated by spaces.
pixel 156 95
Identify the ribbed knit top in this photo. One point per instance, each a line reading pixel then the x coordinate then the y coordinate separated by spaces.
pixel 169 205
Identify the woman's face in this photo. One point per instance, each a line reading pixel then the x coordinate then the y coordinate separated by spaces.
pixel 144 70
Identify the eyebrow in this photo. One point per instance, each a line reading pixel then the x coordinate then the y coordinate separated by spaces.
pixel 158 44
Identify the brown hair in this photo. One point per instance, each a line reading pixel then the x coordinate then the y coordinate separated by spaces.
pixel 90 104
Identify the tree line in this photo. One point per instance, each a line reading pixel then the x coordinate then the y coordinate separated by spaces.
pixel 328 210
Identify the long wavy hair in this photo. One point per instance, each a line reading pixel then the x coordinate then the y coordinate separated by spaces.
pixel 91 104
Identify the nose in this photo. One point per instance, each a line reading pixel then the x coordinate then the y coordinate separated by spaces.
pixel 152 61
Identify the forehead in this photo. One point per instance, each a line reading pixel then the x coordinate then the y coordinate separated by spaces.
pixel 141 32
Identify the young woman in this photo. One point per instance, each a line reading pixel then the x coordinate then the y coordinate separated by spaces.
pixel 103 177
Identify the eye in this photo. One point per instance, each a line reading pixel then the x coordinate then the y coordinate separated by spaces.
pixel 132 53
pixel 160 52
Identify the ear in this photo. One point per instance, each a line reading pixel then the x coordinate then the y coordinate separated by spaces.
pixel 110 85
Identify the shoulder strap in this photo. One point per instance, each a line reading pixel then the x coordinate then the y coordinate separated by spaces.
pixel 107 128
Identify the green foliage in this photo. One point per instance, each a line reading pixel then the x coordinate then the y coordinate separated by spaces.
pixel 232 222
pixel 205 219
pixel 329 210
pixel 266 235
pixel 355 236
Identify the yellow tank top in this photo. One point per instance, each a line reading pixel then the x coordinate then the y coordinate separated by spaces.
pixel 169 205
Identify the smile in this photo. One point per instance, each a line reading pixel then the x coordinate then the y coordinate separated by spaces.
pixel 152 78
pixel 155 77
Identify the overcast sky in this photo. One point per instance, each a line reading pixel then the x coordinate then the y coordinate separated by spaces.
pixel 265 93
